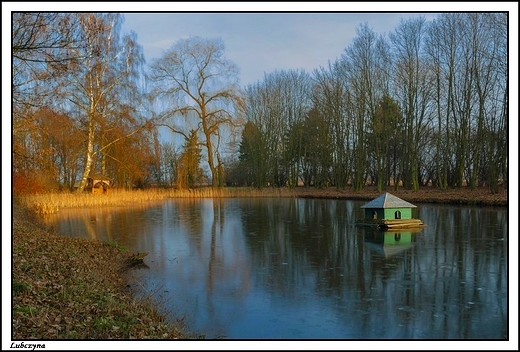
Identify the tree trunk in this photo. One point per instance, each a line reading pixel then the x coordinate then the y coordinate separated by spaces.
pixel 89 156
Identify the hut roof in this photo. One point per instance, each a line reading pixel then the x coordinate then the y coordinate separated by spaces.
pixel 387 200
pixel 99 177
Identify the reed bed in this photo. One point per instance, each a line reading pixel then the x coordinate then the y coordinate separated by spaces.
pixel 50 203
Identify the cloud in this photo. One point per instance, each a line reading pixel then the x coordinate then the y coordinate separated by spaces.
pixel 257 42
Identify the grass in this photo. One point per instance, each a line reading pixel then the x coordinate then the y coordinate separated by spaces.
pixel 114 244
pixel 66 288
pixel 51 202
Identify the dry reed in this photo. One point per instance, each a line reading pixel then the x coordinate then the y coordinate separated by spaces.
pixel 51 202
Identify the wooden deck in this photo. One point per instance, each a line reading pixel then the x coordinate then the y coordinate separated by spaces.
pixel 396 224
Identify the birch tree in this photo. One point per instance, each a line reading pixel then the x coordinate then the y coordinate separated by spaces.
pixel 103 84
pixel 101 80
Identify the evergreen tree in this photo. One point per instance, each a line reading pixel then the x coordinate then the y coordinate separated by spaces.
pixel 190 173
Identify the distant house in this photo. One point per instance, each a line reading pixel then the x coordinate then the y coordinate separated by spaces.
pixel 98 183
pixel 388 211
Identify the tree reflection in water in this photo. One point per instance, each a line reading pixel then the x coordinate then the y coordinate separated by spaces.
pixel 299 268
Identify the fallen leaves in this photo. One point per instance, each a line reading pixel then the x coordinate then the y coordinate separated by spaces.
pixel 73 288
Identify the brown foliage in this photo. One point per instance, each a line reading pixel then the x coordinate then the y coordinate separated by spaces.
pixel 24 184
pixel 32 183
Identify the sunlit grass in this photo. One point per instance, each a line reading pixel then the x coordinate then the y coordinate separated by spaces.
pixel 50 203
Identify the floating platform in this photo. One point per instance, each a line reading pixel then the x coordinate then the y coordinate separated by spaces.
pixel 393 224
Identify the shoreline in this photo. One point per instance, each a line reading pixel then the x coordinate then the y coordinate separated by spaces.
pixel 49 203
pixel 456 196
pixel 62 287
pixel 76 289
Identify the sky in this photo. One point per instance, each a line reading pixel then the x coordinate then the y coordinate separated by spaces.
pixel 267 38
pixel 261 43
pixel 261 37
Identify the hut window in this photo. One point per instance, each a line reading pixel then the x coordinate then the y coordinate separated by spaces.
pixel 397 214
pixel 374 214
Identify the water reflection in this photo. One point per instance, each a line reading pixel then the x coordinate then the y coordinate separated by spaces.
pixel 389 243
pixel 299 268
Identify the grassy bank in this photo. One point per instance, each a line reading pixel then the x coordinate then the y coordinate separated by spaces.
pixel 69 288
pixel 52 202
pixel 452 196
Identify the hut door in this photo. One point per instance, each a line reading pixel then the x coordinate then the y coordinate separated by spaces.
pixel 397 214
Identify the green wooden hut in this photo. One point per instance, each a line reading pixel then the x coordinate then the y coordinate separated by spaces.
pixel 388 206
pixel 388 211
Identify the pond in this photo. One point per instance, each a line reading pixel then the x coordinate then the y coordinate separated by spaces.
pixel 243 268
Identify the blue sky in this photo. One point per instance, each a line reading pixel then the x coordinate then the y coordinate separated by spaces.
pixel 262 42
pixel 260 37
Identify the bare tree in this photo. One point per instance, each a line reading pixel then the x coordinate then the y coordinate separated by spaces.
pixel 413 90
pixel 274 105
pixel 366 79
pixel 41 46
pixel 440 47
pixel 468 56
pixel 330 98
pixel 198 86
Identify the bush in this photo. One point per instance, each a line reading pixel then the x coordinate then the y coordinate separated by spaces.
pixel 32 183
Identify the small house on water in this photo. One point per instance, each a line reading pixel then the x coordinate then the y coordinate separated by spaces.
pixel 388 212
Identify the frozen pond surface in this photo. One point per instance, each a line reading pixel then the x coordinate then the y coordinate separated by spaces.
pixel 300 269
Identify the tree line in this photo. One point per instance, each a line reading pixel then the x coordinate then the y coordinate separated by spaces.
pixel 426 104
